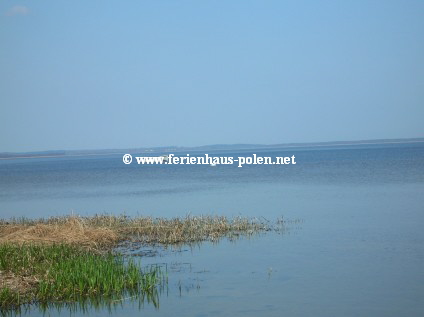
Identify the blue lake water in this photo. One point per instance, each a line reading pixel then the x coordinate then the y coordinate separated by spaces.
pixel 359 250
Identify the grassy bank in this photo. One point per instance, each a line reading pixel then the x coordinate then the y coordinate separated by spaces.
pixel 63 273
pixel 69 259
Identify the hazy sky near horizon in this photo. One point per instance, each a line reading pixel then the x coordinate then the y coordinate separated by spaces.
pixel 98 74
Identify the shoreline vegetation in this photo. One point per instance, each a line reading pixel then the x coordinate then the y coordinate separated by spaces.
pixel 72 258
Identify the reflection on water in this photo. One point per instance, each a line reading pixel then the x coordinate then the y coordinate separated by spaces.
pixel 89 306
pixel 97 304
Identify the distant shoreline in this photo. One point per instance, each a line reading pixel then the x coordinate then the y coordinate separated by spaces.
pixel 217 147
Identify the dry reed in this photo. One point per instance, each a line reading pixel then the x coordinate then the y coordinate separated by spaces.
pixel 102 231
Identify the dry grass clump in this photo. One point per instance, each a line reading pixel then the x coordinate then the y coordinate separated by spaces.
pixel 107 230
pixel 70 230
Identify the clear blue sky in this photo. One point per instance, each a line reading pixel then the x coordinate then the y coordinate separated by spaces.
pixel 118 74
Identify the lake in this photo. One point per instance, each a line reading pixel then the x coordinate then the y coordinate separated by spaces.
pixel 358 249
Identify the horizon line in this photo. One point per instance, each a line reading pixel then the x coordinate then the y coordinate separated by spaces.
pixel 93 152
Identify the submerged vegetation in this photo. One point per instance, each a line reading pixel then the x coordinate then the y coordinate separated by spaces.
pixel 72 258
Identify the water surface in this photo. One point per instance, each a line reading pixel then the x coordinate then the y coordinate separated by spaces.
pixel 358 251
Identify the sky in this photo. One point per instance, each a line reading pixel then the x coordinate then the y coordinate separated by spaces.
pixel 124 74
